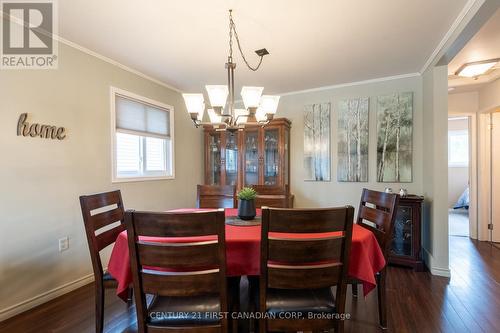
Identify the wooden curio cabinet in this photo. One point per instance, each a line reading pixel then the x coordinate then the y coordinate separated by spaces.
pixel 405 248
pixel 255 155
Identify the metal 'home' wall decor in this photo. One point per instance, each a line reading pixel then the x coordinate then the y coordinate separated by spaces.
pixel 24 128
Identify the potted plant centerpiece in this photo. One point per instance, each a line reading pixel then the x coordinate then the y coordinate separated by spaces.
pixel 246 203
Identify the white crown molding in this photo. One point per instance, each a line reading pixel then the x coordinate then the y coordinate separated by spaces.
pixel 30 303
pixel 454 28
pixel 97 55
pixel 115 63
pixel 350 84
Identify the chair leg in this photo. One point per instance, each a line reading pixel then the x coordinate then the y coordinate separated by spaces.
pixel 339 326
pixel 130 296
pixel 354 287
pixel 99 307
pixel 381 295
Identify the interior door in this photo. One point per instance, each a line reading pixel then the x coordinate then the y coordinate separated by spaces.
pixel 495 182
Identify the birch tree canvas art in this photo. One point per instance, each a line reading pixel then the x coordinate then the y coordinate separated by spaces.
pixel 394 137
pixel 353 140
pixel 317 142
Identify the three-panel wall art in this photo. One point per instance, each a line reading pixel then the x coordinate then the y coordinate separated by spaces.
pixel 394 114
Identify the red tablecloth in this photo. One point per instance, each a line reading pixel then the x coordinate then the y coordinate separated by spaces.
pixel 243 255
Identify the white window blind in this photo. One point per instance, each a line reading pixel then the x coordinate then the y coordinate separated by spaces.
pixel 141 118
pixel 143 139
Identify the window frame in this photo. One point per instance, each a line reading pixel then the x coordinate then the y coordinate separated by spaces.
pixel 141 99
pixel 452 164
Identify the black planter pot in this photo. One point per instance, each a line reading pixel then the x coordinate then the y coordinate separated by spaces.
pixel 246 209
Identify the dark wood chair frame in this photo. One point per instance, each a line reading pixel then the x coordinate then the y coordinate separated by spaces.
pixel 216 196
pixel 381 214
pixel 273 196
pixel 93 223
pixel 297 258
pixel 187 256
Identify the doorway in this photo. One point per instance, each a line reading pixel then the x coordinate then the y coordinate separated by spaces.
pixel 494 221
pixel 459 176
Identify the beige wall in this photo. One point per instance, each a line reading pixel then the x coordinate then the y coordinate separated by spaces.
pixel 334 193
pixel 42 179
pixel 489 97
pixel 435 166
pixel 458 177
pixel 467 102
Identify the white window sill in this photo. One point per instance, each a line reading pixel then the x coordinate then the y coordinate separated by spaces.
pixel 140 179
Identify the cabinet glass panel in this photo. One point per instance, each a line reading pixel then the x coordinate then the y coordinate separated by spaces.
pixel 403 237
pixel 251 158
pixel 231 159
pixel 214 159
pixel 271 156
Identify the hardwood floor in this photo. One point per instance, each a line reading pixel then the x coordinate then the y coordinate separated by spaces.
pixel 417 302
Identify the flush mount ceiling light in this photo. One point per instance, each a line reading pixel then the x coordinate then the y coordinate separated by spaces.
pixel 259 109
pixel 477 68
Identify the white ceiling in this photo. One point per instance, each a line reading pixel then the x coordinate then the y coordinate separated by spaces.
pixel 483 46
pixel 312 43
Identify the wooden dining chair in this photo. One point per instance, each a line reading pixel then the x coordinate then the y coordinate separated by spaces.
pixel 100 211
pixel 213 196
pixel 190 298
pixel 273 196
pixel 297 273
pixel 377 212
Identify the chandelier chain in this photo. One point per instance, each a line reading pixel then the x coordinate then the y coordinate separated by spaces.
pixel 232 28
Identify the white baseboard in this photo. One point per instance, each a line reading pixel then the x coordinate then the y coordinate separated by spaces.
pixel 438 271
pixel 44 297
pixel 444 272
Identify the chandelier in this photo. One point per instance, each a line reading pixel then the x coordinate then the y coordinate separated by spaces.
pixel 259 109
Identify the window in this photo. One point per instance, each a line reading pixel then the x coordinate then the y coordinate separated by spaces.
pixel 142 132
pixel 458 148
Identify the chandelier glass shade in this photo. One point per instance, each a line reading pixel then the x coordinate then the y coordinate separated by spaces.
pixel 259 109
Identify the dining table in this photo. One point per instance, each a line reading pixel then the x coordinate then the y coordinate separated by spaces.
pixel 243 253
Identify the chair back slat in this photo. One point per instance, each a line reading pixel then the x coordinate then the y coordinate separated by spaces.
pixel 175 224
pixel 181 283
pixel 108 237
pixel 154 261
pixel 307 220
pixel 311 261
pixel 103 219
pixel 379 199
pixel 100 200
pixel 377 212
pixel 297 250
pixel 178 255
pixel 270 190
pixel 99 211
pixel 310 277
pixel 212 196
pixel 272 196
pixel 377 216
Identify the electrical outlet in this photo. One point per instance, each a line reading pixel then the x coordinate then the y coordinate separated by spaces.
pixel 63 243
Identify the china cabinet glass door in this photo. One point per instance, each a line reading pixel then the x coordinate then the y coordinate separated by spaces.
pixel 251 158
pixel 214 159
pixel 271 156
pixel 403 237
pixel 231 159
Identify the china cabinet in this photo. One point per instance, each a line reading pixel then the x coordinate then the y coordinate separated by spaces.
pixel 406 247
pixel 255 155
